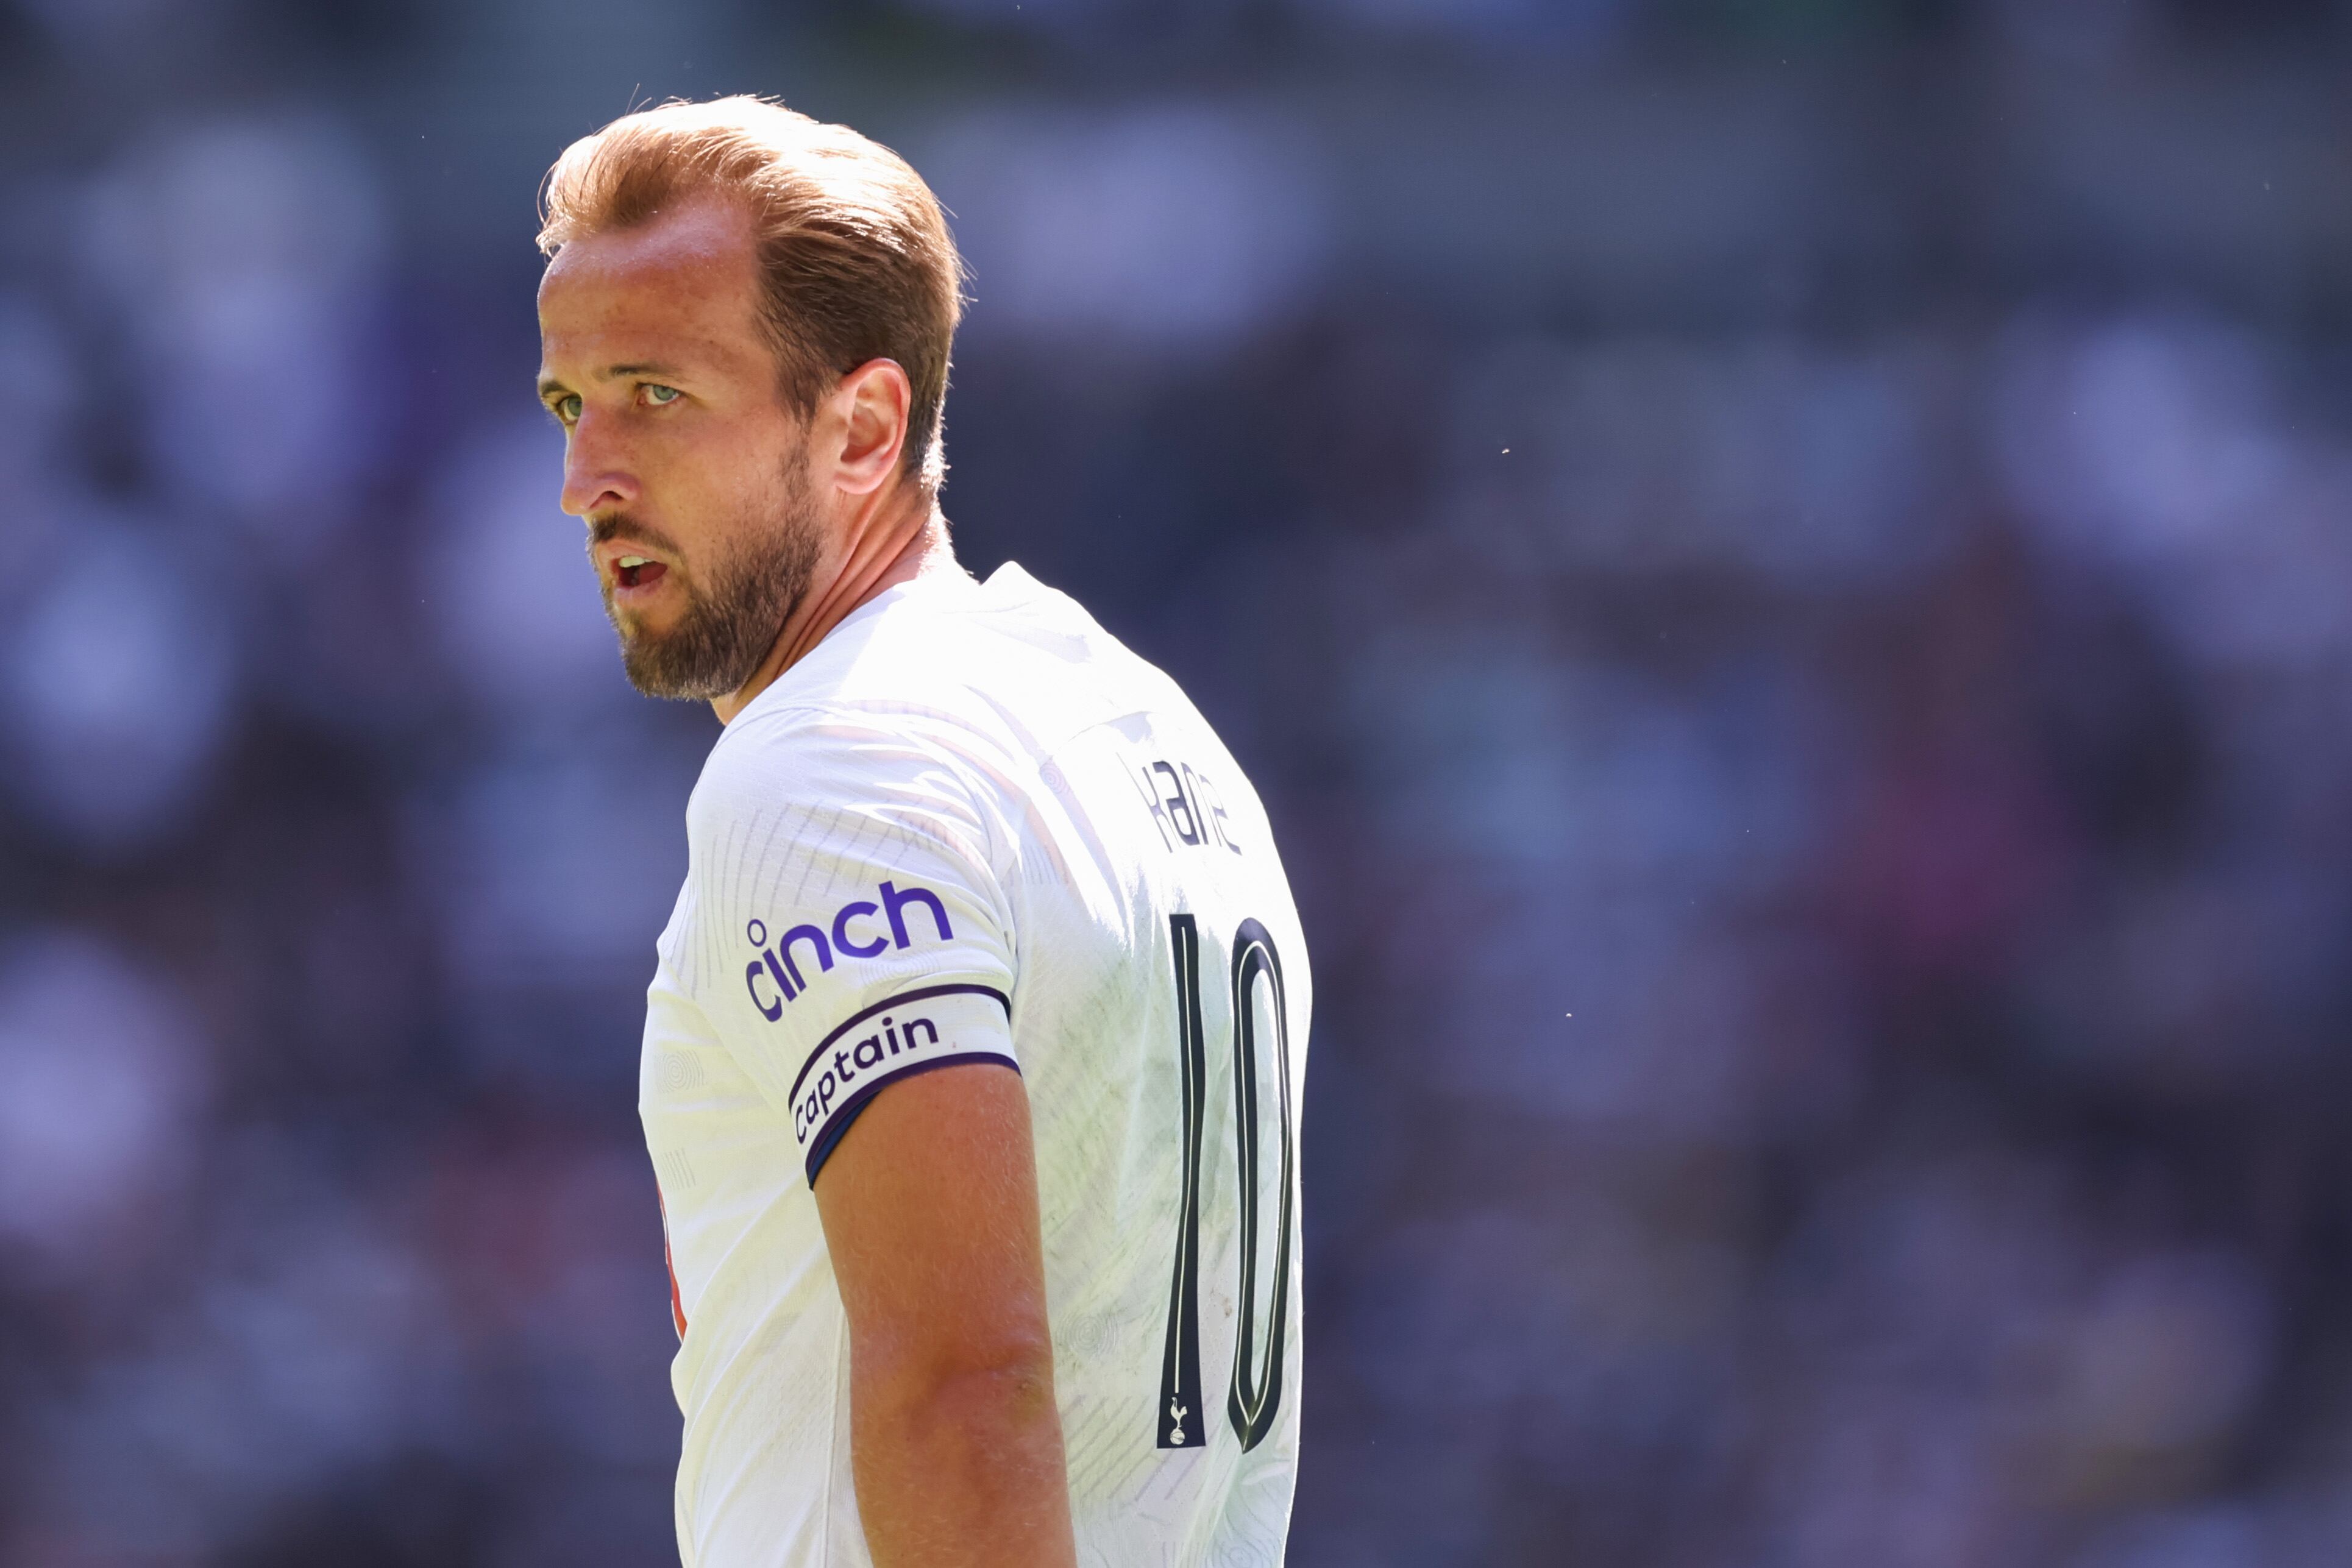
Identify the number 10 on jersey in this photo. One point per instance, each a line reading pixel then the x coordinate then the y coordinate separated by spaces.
pixel 1256 1390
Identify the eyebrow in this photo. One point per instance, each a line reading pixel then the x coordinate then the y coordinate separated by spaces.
pixel 548 385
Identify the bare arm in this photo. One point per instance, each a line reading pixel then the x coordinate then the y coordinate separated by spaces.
pixel 929 1207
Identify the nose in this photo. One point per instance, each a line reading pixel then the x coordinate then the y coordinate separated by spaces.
pixel 596 475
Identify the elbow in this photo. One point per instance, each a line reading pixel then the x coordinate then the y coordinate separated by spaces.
pixel 1007 1388
pixel 949 1452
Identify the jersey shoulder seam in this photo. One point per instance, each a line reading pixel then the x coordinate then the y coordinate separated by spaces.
pixel 979 796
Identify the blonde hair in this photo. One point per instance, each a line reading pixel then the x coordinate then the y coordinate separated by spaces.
pixel 854 257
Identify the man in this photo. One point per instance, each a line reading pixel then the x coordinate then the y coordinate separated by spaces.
pixel 973 1053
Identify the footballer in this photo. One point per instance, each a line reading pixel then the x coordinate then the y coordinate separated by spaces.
pixel 974 1047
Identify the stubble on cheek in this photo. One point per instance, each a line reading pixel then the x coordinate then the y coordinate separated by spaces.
pixel 731 614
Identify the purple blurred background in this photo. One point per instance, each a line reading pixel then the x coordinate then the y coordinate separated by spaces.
pixel 1784 568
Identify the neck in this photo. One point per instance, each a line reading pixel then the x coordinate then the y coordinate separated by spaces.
pixel 891 539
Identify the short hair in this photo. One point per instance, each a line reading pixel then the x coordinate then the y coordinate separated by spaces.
pixel 855 257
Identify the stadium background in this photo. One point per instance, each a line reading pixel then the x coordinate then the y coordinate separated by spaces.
pixel 1783 566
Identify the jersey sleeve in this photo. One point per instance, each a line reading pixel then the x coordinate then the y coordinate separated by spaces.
pixel 854 932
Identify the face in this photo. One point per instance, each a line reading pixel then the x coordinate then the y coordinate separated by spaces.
pixel 680 451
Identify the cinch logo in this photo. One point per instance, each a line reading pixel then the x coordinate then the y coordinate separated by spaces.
pixel 777 963
pixel 808 1112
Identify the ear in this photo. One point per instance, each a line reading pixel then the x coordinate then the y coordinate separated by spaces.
pixel 872 403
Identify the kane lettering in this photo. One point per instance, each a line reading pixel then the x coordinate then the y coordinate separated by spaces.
pixel 1185 806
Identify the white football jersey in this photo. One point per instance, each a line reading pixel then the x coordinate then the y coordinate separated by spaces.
pixel 971 826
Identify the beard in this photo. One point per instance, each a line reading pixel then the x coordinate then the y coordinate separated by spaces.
pixel 732 619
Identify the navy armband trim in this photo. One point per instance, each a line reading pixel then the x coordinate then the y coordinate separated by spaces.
pixel 854 1106
pixel 920 993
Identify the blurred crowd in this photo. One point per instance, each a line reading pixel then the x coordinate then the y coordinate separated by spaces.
pixel 1784 569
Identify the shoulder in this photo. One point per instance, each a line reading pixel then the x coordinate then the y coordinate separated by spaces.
pixel 820 782
pixel 854 751
pixel 954 696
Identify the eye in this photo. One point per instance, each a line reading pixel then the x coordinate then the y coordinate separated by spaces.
pixel 660 395
pixel 566 409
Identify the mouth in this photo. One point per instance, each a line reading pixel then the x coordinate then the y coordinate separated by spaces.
pixel 632 573
pixel 633 577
